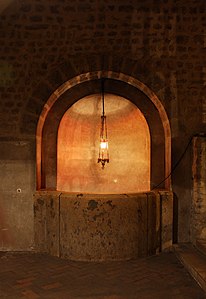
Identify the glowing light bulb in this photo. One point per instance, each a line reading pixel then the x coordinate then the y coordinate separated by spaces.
pixel 104 144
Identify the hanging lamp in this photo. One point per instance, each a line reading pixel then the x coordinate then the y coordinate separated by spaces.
pixel 103 145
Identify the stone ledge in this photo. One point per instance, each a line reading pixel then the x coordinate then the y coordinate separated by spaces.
pixel 201 245
pixel 194 261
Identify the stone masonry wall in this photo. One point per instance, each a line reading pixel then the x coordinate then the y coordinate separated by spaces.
pixel 44 43
pixel 161 43
pixel 198 228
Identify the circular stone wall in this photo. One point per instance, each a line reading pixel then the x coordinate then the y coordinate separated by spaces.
pixel 96 227
pixel 103 227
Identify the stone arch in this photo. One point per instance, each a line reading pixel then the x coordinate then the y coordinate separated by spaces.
pixel 118 83
pixel 69 69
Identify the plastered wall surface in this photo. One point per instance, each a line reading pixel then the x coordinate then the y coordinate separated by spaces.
pixel 17 177
pixel 78 147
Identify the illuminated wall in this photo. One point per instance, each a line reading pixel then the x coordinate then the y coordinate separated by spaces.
pixel 78 145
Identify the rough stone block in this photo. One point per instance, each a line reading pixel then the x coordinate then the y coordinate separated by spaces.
pixel 153 222
pixel 103 227
pixel 166 218
pixel 46 222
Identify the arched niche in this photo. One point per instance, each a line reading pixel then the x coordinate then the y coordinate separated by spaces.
pixel 78 147
pixel 116 83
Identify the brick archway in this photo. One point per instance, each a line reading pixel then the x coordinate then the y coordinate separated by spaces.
pixel 85 84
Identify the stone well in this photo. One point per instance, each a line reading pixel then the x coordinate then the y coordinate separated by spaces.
pixel 101 227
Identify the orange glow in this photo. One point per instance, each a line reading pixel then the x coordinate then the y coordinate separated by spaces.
pixel 78 148
pixel 104 144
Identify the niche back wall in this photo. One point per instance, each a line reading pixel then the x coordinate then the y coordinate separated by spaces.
pixel 78 147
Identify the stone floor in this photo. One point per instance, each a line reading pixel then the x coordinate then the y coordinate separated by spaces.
pixel 194 260
pixel 33 276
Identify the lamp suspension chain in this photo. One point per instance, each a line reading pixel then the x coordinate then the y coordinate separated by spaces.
pixel 103 147
pixel 102 97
